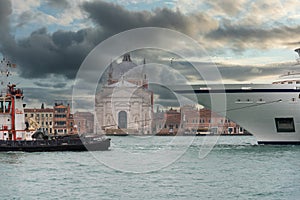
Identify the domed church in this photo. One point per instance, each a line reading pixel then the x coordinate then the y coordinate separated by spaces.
pixel 124 104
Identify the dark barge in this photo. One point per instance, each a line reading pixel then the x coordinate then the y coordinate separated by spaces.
pixel 65 143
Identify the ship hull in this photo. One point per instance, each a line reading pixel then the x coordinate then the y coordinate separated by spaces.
pixel 270 112
pixel 54 145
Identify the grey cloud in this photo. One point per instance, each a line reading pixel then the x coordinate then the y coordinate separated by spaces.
pixel 230 7
pixel 293 43
pixel 48 96
pixel 5 9
pixel 115 18
pixel 58 3
pixel 24 18
pixel 50 85
pixel 243 37
pixel 246 73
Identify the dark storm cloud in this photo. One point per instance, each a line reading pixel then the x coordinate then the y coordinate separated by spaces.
pixel 115 18
pixel 61 52
pixel 43 53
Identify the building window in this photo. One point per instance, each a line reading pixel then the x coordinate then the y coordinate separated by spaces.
pixel 46 115
pixel 42 115
pixel 61 123
pixel 61 110
pixel 50 115
pixel 37 115
pixel 241 130
pixel 50 123
pixel 26 115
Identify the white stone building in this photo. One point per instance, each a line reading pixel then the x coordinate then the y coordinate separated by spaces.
pixel 125 104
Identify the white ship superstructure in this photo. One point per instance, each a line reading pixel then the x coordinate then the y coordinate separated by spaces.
pixel 271 112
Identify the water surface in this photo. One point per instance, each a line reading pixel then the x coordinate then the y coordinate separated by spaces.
pixel 236 168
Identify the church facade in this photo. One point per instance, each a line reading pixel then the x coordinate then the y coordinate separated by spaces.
pixel 124 105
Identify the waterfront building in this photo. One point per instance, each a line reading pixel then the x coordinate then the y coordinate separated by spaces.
pixel 168 122
pixel 124 104
pixel 84 122
pixel 191 120
pixel 203 121
pixel 41 118
pixel 63 119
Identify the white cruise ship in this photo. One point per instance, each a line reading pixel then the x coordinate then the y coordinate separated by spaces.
pixel 271 112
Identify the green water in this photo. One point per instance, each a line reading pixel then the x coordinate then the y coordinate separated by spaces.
pixel 236 168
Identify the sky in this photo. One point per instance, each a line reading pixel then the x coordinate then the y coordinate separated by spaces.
pixel 251 41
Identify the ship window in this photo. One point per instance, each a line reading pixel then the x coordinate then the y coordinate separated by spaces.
pixel 285 124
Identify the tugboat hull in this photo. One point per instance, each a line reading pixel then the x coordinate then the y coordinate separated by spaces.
pixel 54 145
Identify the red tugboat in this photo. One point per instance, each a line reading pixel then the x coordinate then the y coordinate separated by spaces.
pixel 15 135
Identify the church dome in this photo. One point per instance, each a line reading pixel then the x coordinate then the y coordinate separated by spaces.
pixel 122 68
